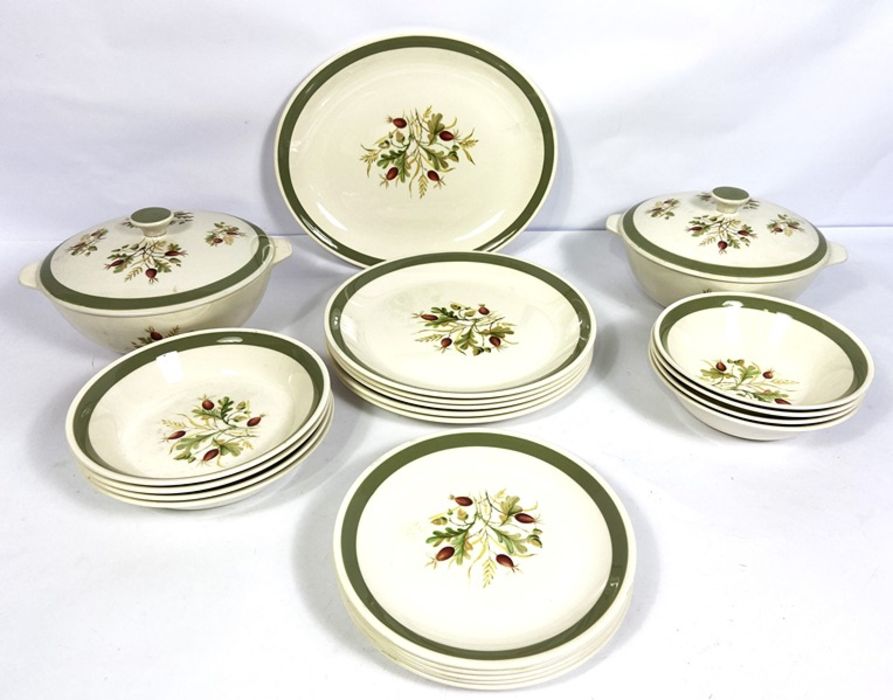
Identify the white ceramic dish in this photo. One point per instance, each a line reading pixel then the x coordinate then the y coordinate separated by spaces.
pixel 724 240
pixel 740 414
pixel 212 403
pixel 132 281
pixel 458 416
pixel 433 402
pixel 737 427
pixel 741 408
pixel 460 325
pixel 195 490
pixel 224 495
pixel 400 136
pixel 459 483
pixel 763 351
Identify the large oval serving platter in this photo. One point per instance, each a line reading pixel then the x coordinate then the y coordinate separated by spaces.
pixel 414 144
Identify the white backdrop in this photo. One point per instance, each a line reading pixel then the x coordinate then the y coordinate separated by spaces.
pixel 109 106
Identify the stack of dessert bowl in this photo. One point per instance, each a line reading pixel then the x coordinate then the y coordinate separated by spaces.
pixel 759 367
pixel 202 419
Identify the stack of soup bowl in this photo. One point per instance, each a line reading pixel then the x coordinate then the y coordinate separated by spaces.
pixel 759 367
pixel 200 420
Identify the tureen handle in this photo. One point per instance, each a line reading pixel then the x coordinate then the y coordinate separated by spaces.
pixel 728 199
pixel 28 275
pixel 613 223
pixel 836 254
pixel 282 249
pixel 152 221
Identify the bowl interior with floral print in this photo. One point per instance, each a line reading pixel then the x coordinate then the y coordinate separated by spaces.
pixel 724 232
pixel 454 323
pixel 199 406
pixel 384 151
pixel 765 351
pixel 477 526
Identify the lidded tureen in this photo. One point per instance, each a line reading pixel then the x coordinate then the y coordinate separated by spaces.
pixel 722 240
pixel 133 280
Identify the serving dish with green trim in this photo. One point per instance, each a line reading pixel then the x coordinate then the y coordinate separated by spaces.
pixel 722 240
pixel 414 144
pixel 134 280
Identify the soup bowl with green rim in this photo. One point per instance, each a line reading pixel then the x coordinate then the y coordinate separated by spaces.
pixel 198 408
pixel 760 351
pixel 135 280
pixel 723 240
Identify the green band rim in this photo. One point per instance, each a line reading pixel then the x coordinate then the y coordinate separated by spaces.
pixel 855 354
pixel 639 241
pixel 260 259
pixel 299 101
pixel 577 302
pixel 91 398
pixel 620 550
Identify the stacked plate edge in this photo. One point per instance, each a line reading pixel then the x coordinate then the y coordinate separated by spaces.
pixel 507 562
pixel 459 337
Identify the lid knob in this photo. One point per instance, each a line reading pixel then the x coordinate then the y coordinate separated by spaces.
pixel 728 199
pixel 152 221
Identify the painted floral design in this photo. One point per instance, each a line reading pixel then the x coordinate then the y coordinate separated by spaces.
pixel 215 428
pixel 152 335
pixel 786 224
pixel 663 209
pixel 725 231
pixel 418 149
pixel 490 531
pixel 749 204
pixel 473 329
pixel 223 233
pixel 178 219
pixel 747 380
pixel 149 257
pixel 87 243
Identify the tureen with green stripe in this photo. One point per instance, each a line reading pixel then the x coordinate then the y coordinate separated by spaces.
pixel 721 240
pixel 133 280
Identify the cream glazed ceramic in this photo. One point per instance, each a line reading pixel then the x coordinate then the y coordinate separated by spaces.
pixel 384 150
pixel 472 542
pixel 460 325
pixel 765 352
pixel 724 240
pixel 198 407
pixel 134 280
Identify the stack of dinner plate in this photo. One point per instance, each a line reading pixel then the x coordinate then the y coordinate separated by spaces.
pixel 460 337
pixel 484 560
pixel 759 367
pixel 200 420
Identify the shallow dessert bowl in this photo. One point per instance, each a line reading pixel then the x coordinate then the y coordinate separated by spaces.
pixel 760 351
pixel 198 407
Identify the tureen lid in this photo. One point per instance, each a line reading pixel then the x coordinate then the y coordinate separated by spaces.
pixel 724 232
pixel 155 258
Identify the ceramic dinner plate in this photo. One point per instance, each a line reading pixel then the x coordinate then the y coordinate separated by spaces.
pixel 383 152
pixel 483 523
pixel 460 325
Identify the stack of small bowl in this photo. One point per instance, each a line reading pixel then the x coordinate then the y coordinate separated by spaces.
pixel 759 367
pixel 200 420
pixel 459 337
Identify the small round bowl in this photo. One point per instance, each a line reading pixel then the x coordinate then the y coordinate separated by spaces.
pixel 197 408
pixel 760 351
